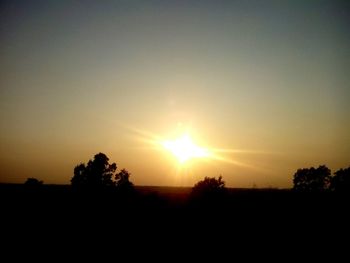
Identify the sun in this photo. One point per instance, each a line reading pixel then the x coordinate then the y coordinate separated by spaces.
pixel 184 149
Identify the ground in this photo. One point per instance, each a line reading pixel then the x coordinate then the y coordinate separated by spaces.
pixel 161 215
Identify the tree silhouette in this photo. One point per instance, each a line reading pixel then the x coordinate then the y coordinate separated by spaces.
pixel 96 174
pixel 209 189
pixel 79 178
pixel 122 180
pixel 33 182
pixel 311 179
pixel 340 182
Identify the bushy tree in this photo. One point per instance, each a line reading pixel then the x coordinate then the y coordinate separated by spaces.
pixel 122 181
pixel 312 179
pixel 79 178
pixel 340 182
pixel 33 182
pixel 209 188
pixel 96 174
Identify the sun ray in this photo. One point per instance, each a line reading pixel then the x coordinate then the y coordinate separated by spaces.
pixel 184 149
pixel 240 151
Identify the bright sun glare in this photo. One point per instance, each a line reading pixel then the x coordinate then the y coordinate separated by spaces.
pixel 185 149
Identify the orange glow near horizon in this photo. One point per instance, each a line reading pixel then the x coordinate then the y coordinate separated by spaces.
pixel 185 149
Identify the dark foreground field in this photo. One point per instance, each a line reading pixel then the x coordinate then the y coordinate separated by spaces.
pixel 158 216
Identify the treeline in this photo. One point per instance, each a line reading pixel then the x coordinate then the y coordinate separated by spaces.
pixel 100 175
pixel 320 180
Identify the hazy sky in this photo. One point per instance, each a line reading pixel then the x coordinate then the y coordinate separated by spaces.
pixel 266 79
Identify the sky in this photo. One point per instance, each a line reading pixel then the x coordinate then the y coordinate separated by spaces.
pixel 263 84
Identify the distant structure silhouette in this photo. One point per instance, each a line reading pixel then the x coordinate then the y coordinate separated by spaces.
pixel 312 179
